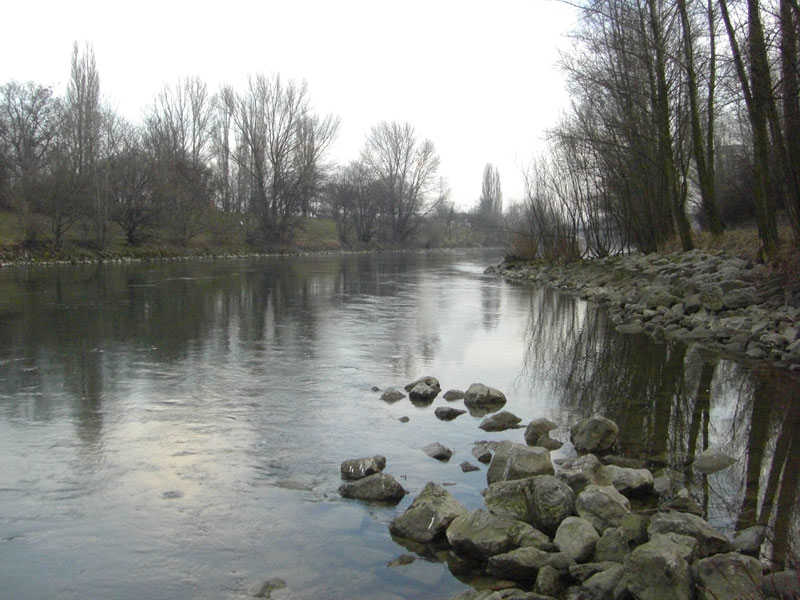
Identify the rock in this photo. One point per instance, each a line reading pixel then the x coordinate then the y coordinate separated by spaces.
pixel 749 540
pixel 538 434
pixel 602 506
pixel 422 392
pixel 517 461
pixel 523 564
pixel 428 516
pixel 361 467
pixel 480 534
pixel 730 575
pixel 402 560
pixel 404 419
pixel 630 482
pixel 378 487
pixel 429 381
pixel 784 584
pixel 265 589
pixel 375 388
pixel 392 395
pixel 657 571
pixel 683 502
pixel 583 572
pixel 438 451
pixel 595 434
pixel 711 461
pixel 481 400
pixel 605 583
pixel 629 328
pixel 500 421
pixel 634 528
pixel 446 413
pixel 548 582
pixel 576 537
pixel 583 471
pixel 453 395
pixel 510 499
pixel 710 540
pixel 483 451
pixel 551 501
pixel 612 546
pixel 686 545
pixel 468 467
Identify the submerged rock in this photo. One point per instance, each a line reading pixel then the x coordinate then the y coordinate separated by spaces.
pixel 392 395
pixel 500 421
pixel 361 467
pixel 451 395
pixel 429 515
pixel 379 487
pixel 447 413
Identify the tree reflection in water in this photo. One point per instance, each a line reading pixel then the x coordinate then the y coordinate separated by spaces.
pixel 672 402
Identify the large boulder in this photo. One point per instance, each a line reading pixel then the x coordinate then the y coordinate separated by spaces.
pixel 358 468
pixel 541 501
pixel 594 434
pixel 576 537
pixel 500 421
pixel 657 571
pixel 603 506
pixel 480 534
pixel 518 461
pixel 481 399
pixel 429 515
pixel 523 564
pixel 606 583
pixel 731 575
pixel 710 540
pixel 379 487
pixel 783 584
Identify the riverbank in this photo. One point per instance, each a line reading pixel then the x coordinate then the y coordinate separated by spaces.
pixel 723 302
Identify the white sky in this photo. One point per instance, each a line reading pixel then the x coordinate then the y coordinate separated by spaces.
pixel 477 78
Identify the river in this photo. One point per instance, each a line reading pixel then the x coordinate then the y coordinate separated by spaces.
pixel 175 429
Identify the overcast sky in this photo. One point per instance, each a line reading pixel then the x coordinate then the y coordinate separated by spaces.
pixel 477 78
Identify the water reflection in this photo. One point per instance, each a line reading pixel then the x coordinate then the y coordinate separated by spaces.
pixel 673 402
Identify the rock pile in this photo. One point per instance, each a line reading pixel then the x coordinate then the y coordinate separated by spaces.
pixel 722 302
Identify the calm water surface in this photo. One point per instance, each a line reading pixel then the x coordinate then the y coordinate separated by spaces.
pixel 175 430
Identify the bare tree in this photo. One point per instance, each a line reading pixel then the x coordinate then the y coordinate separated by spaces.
pixel 406 169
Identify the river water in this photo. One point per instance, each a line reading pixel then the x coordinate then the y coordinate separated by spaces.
pixel 174 430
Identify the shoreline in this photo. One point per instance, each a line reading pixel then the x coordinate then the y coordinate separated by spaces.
pixel 722 302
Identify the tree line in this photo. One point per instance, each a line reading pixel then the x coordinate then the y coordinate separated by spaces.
pixel 682 112
pixel 216 162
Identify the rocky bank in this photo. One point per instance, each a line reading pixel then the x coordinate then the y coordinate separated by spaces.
pixel 722 302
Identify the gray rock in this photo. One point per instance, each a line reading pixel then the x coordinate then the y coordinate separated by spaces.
pixel 404 419
pixel 730 575
pixel 438 451
pixel 537 433
pixel 392 395
pixel 265 589
pixel 630 328
pixel 517 461
pixel 483 451
pixel 481 400
pixel 548 582
pixel 594 434
pixel 422 392
pixel 583 572
pixel 551 501
pixel 402 560
pixel 378 487
pixel 657 571
pixel 612 546
pixel 749 540
pixel 583 471
pixel 429 381
pixel 523 564
pixel 453 395
pixel 576 537
pixel 480 534
pixel 602 506
pixel 710 540
pixel 686 545
pixel 361 467
pixel 428 516
pixel 711 461
pixel 500 421
pixel 446 413
pixel 784 584
pixel 605 583
pixel 630 482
